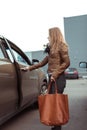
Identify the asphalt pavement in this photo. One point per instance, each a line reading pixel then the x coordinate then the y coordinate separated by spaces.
pixel 77 93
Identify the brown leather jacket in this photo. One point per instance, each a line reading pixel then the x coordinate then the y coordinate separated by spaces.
pixel 57 61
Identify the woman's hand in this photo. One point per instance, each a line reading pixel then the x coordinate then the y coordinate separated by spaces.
pixel 52 78
pixel 25 68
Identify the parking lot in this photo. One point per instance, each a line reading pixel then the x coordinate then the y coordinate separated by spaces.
pixel 29 118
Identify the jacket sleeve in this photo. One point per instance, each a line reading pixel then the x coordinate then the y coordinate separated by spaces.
pixel 40 64
pixel 65 61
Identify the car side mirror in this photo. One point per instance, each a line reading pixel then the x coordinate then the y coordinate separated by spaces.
pixel 83 64
pixel 35 61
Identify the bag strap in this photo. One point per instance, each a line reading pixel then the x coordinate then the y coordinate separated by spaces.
pixel 55 85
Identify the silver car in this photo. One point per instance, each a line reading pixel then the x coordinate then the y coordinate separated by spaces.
pixel 18 88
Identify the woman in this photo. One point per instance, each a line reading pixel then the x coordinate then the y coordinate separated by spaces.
pixel 57 59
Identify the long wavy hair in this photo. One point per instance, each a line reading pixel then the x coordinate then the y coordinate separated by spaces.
pixel 56 38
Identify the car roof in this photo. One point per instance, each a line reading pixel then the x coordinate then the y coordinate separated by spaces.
pixel 71 69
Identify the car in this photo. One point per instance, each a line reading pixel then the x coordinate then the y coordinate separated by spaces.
pixel 18 89
pixel 71 73
pixel 83 64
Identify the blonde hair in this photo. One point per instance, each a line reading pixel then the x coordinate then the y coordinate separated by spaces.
pixel 56 38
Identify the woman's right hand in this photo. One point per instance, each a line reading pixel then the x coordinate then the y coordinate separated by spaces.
pixel 25 68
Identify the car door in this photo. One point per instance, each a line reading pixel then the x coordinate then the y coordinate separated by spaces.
pixel 8 86
pixel 28 80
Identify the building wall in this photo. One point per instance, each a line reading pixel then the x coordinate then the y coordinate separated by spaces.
pixel 75 29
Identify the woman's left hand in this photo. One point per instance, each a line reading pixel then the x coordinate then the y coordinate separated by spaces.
pixel 52 79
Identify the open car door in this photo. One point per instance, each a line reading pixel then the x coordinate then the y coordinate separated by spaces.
pixel 27 80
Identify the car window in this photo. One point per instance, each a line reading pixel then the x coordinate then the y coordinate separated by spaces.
pixel 12 52
pixel 9 55
pixel 83 64
pixel 19 58
pixel 1 53
pixel 70 69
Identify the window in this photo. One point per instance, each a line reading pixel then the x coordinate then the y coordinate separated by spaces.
pixel 1 54
pixel 19 58
pixel 16 54
pixel 83 64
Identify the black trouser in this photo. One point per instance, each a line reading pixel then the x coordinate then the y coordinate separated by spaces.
pixel 61 83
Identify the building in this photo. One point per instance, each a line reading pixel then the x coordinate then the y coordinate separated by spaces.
pixel 75 29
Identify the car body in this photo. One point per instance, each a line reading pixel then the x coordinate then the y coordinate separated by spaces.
pixel 71 73
pixel 18 89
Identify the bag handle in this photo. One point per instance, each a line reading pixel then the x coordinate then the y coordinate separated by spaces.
pixel 55 85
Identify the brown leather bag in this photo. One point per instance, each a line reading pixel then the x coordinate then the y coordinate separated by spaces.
pixel 53 108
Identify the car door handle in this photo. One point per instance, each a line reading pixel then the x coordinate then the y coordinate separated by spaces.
pixel 24 69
